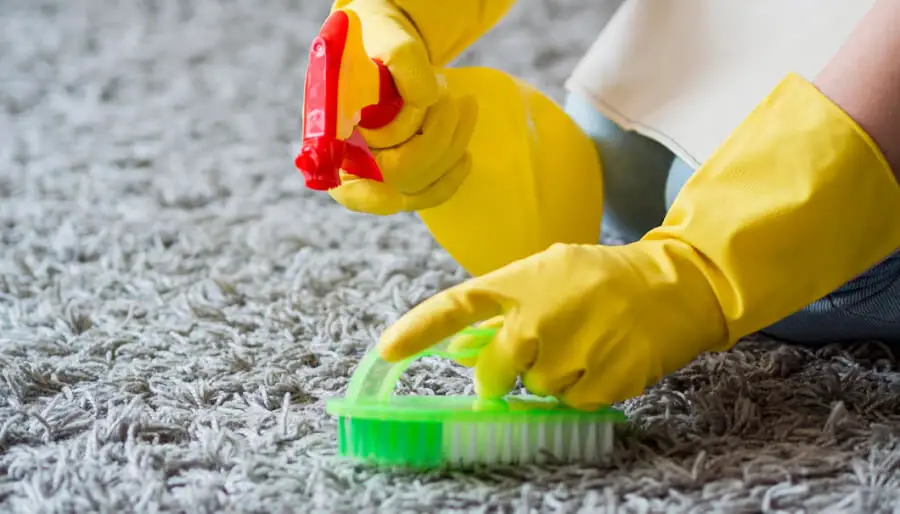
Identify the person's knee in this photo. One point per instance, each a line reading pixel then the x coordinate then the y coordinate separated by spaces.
pixel 679 173
pixel 634 172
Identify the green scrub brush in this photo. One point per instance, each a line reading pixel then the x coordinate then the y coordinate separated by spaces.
pixel 433 431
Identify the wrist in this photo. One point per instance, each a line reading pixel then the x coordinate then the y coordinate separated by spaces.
pixel 678 278
pixel 388 8
pixel 448 28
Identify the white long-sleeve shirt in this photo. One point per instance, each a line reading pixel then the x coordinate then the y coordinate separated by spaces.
pixel 686 72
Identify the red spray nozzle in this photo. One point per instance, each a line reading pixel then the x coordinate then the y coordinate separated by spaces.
pixel 344 89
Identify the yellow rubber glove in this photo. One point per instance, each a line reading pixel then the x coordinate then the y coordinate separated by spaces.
pixel 797 201
pixel 422 153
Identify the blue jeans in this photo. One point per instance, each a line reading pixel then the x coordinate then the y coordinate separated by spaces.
pixel 641 179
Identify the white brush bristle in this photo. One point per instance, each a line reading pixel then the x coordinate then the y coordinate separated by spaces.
pixel 519 443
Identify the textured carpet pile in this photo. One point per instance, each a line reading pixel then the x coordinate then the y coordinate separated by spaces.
pixel 175 308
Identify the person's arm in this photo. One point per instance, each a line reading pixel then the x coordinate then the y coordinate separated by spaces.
pixel 863 78
pixel 446 28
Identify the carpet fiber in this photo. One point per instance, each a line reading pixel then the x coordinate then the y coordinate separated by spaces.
pixel 175 307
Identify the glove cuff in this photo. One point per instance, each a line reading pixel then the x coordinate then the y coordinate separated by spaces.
pixel 797 201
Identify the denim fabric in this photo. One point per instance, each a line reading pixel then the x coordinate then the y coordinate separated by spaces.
pixel 634 173
pixel 641 180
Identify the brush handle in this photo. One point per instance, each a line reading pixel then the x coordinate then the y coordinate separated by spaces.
pixel 376 378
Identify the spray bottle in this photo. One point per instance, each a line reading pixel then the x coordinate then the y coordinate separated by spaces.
pixel 536 177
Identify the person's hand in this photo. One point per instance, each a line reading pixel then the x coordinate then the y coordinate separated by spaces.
pixel 421 172
pixel 591 325
pixel 797 201
pixel 423 152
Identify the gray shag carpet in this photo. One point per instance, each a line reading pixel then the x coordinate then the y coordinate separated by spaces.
pixel 175 308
